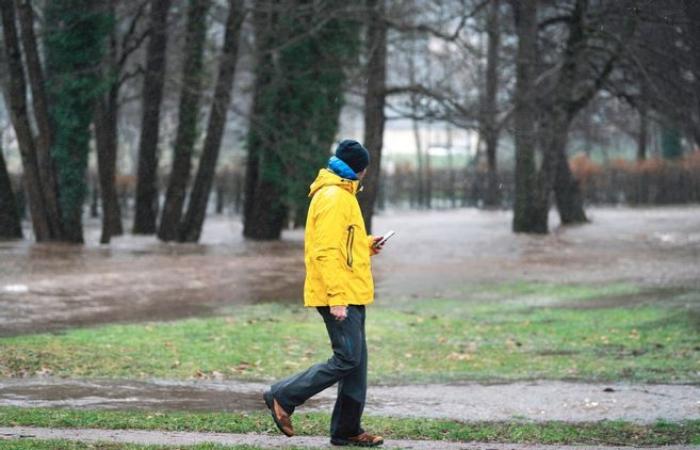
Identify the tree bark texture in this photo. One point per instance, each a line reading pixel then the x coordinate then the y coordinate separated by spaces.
pixel 10 224
pixel 188 117
pixel 692 9
pixel 107 139
pixel 525 207
pixel 375 98
pixel 146 208
pixel 191 227
pixel 43 141
pixel 643 132
pixel 106 114
pixel 568 197
pixel 490 126
pixel 19 113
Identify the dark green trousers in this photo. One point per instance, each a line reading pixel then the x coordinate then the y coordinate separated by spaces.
pixel 347 367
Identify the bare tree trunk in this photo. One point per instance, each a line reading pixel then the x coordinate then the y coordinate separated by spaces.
pixel 107 138
pixel 643 133
pixel 220 199
pixel 106 112
pixel 17 99
pixel 427 180
pixel 554 133
pixel 420 167
pixel 568 196
pixel 94 198
pixel 451 192
pixel 191 228
pixel 692 9
pixel 642 191
pixel 524 207
pixel 567 192
pixel 146 208
pixel 375 98
pixel 35 73
pixel 490 125
pixel 10 224
pixel 588 136
pixel 187 120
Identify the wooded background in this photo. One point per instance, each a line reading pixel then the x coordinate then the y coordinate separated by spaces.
pixel 133 107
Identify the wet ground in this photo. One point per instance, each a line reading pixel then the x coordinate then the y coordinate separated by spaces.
pixel 48 287
pixel 178 438
pixel 525 400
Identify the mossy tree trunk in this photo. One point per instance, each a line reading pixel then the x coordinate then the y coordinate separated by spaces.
pixel 298 96
pixel 75 41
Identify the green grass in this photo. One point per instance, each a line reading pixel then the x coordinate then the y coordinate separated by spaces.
pixel 504 332
pixel 55 444
pixel 316 424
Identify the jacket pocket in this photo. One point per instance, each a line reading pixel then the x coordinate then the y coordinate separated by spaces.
pixel 349 244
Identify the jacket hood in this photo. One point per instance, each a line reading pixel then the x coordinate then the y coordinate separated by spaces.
pixel 328 178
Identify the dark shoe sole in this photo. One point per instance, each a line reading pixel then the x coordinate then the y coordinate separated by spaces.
pixel 267 396
pixel 345 442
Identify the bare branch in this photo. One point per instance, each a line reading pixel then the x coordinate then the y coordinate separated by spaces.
pixel 425 28
pixel 129 44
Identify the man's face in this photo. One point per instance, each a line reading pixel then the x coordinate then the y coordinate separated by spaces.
pixel 361 175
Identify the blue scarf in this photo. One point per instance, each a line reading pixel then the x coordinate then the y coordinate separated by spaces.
pixel 340 168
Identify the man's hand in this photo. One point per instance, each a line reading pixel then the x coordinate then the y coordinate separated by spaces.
pixel 375 249
pixel 339 312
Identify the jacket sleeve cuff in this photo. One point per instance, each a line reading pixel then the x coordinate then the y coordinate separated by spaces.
pixel 370 243
pixel 337 301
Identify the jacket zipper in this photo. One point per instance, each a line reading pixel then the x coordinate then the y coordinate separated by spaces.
pixel 351 240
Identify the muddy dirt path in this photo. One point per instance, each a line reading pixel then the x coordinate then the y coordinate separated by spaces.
pixel 52 287
pixel 266 441
pixel 535 401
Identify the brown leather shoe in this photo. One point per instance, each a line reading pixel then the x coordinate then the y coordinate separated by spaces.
pixel 361 440
pixel 279 415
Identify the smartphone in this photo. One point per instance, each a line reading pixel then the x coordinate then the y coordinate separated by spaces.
pixel 384 238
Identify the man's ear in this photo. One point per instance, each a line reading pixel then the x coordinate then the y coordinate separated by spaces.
pixel 362 174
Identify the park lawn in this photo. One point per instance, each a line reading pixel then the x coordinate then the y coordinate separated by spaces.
pixel 494 333
pixel 316 424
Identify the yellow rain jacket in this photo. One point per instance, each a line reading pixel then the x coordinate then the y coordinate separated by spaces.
pixel 336 246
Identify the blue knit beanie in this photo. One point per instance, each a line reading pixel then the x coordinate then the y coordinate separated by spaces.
pixel 353 154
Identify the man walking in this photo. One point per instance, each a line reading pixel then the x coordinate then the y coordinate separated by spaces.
pixel 338 284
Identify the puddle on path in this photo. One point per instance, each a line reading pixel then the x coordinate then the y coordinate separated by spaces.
pixel 531 400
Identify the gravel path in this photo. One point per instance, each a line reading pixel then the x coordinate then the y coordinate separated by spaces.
pixel 182 438
pixel 536 400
